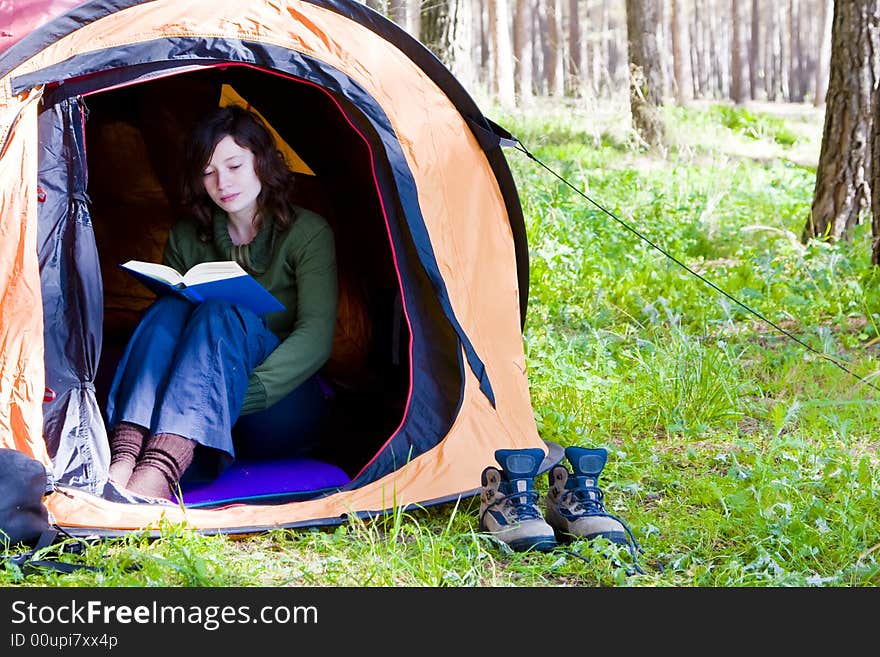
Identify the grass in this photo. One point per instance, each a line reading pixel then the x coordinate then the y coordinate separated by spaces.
pixel 737 455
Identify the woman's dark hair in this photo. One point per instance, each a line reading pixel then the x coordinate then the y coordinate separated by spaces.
pixel 277 180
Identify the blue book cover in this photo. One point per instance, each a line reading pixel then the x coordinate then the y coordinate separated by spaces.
pixel 224 280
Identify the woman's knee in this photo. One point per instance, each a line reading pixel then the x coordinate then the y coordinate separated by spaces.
pixel 215 319
pixel 169 309
pixel 215 314
pixel 214 308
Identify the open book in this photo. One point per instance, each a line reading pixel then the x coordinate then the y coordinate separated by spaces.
pixel 224 280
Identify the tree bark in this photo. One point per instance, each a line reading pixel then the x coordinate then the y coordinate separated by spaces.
pixel 522 52
pixel 719 44
pixel 597 18
pixel 796 87
pixel 539 38
pixel 843 192
pixel 737 60
pixel 681 73
pixel 413 17
pixel 646 78
pixel 755 51
pixel 610 52
pixel 699 52
pixel 447 29
pixel 574 61
pixel 481 28
pixel 397 11
pixel 822 59
pixel 875 169
pixel 553 49
pixel 435 27
pixel 664 49
pixel 502 53
pixel 875 187
pixel 771 53
pixel 461 42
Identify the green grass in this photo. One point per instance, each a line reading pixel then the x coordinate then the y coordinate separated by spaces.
pixel 737 456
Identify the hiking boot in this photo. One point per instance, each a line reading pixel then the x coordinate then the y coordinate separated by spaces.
pixel 509 503
pixel 574 500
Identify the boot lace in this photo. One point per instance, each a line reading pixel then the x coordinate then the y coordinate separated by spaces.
pixel 523 505
pixel 586 500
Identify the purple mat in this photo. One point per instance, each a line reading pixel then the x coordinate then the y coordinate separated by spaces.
pixel 266 481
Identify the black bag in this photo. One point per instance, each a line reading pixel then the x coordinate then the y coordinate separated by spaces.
pixel 23 483
pixel 24 519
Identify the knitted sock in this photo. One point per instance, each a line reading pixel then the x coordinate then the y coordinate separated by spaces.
pixel 126 442
pixel 166 456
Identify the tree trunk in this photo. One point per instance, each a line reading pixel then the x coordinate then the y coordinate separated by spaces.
pixel 699 53
pixel 827 13
pixel 784 53
pixel 720 48
pixel 481 28
pixel 610 52
pixel 842 190
pixel 796 88
pixel 737 61
pixel 600 74
pixel 808 42
pixel 461 42
pixel 397 11
pixel 447 29
pixel 646 78
pixel 574 61
pixel 502 53
pixel 771 54
pixel 435 26
pixel 681 73
pixel 413 17
pixel 875 187
pixel 522 52
pixel 755 51
pixel 664 51
pixel 538 46
pixel 552 48
pixel 492 34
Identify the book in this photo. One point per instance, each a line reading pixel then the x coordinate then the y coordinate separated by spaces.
pixel 224 280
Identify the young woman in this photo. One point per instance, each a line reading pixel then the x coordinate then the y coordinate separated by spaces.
pixel 215 374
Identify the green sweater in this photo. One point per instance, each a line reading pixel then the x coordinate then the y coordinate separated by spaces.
pixel 298 266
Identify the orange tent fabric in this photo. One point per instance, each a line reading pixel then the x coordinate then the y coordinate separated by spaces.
pixel 452 191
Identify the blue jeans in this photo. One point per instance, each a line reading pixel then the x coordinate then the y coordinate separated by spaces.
pixel 185 371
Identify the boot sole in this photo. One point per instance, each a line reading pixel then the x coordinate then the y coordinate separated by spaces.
pixel 538 545
pixel 620 538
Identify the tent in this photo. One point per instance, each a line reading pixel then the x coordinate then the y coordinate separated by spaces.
pixel 428 371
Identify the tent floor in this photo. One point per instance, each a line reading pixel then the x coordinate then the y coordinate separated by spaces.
pixel 265 482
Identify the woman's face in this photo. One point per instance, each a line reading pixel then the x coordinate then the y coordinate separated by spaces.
pixel 231 181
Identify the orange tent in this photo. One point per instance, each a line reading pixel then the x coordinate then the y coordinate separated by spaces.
pixel 428 367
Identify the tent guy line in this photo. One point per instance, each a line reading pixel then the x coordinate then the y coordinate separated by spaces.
pixel 519 146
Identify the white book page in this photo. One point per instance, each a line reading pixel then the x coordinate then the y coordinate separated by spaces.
pixel 206 272
pixel 155 270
